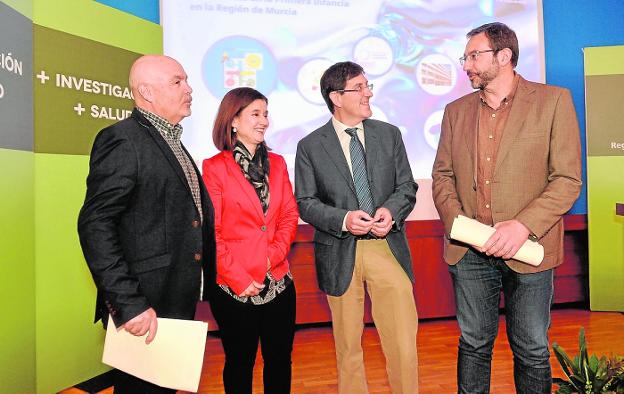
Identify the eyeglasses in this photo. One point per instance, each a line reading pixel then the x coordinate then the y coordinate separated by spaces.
pixel 474 55
pixel 358 88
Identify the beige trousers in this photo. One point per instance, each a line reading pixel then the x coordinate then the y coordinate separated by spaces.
pixel 394 314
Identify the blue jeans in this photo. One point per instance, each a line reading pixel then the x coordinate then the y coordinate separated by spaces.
pixel 478 281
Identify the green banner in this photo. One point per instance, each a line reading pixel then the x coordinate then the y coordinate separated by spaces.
pixel 604 95
pixel 607 96
pixel 63 76
pixel 17 217
pixel 81 86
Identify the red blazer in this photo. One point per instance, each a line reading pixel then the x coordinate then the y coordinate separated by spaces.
pixel 245 236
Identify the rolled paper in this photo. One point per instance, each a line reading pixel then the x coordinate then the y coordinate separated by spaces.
pixel 475 233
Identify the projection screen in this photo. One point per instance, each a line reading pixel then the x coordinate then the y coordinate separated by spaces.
pixel 408 48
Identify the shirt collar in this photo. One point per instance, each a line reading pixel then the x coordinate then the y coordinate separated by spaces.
pixel 509 97
pixel 341 127
pixel 168 130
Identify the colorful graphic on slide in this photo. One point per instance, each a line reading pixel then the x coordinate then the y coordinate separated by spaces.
pixel 436 74
pixel 239 61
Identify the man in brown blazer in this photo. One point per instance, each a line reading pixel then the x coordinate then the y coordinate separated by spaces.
pixel 508 156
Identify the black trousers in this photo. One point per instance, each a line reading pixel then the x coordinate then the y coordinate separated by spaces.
pixel 128 384
pixel 243 326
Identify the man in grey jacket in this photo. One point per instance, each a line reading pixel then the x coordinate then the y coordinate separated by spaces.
pixel 354 184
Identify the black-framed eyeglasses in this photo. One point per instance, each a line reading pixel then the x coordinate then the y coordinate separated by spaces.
pixel 474 55
pixel 358 88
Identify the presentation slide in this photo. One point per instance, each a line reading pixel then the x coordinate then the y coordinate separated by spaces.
pixel 409 49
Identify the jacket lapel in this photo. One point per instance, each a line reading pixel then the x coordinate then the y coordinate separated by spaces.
pixel 164 147
pixel 275 183
pixel 471 125
pixel 205 199
pixel 331 144
pixel 519 109
pixel 236 173
pixel 371 147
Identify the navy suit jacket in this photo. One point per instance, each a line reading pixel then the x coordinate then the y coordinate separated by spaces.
pixel 140 231
pixel 325 192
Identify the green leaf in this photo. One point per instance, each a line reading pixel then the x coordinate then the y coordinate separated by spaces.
pixel 592 368
pixel 568 366
pixel 582 349
pixel 589 374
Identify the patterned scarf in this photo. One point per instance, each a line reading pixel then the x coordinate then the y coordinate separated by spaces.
pixel 255 169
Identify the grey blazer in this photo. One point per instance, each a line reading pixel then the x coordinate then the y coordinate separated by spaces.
pixel 325 192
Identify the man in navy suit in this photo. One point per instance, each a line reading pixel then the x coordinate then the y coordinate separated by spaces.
pixel 353 183
pixel 147 225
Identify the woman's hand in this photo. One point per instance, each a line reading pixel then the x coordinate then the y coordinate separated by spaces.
pixel 252 290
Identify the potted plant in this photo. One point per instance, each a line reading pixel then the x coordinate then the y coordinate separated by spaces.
pixel 589 374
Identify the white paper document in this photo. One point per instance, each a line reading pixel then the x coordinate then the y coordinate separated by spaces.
pixel 476 233
pixel 174 359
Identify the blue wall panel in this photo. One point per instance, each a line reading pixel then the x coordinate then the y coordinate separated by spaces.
pixel 146 9
pixel 570 26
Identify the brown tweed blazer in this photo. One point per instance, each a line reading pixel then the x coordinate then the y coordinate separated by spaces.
pixel 537 176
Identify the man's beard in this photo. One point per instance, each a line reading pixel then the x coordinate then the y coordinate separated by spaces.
pixel 485 77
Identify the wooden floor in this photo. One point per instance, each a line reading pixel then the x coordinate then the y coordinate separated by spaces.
pixel 314 365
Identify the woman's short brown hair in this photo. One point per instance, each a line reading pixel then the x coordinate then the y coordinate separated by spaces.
pixel 231 106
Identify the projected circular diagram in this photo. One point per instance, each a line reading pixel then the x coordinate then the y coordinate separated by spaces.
pixel 238 61
pixel 309 80
pixel 374 54
pixel 436 74
pixel 431 129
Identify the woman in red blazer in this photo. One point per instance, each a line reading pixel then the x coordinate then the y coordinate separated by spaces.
pixel 255 222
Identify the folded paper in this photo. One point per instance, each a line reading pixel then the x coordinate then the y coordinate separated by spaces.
pixel 173 359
